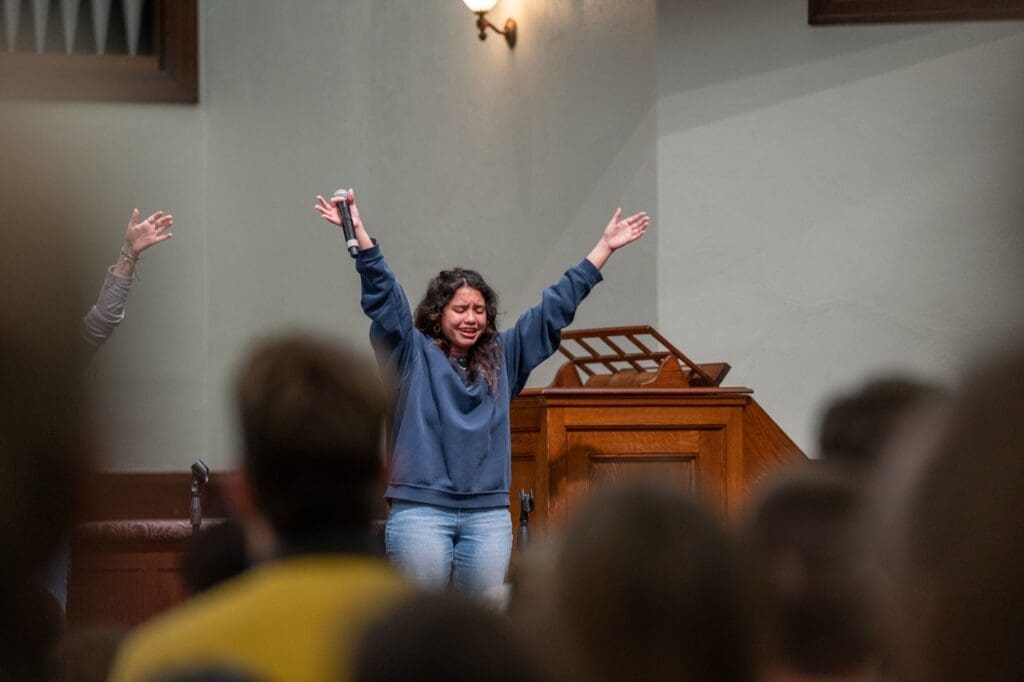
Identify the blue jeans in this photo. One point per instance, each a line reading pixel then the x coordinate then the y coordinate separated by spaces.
pixel 432 545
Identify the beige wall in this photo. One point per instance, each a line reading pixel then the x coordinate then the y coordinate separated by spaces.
pixel 462 152
pixel 828 202
pixel 836 202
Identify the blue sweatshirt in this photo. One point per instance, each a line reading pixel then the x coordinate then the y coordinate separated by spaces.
pixel 452 443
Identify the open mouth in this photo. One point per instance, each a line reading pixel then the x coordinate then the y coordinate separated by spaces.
pixel 468 333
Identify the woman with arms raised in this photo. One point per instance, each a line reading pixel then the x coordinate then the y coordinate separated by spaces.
pixel 455 376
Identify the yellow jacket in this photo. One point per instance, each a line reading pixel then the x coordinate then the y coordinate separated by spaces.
pixel 292 619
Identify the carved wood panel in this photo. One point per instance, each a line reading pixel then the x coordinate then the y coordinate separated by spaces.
pixel 897 11
pixel 690 458
pixel 699 449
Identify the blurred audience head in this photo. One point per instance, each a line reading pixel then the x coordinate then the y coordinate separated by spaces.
pixel 810 586
pixel 854 427
pixel 531 581
pixel 214 554
pixel 959 598
pixel 311 415
pixel 442 636
pixel 647 587
pixel 43 439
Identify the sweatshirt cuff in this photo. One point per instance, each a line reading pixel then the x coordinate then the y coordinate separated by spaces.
pixel 118 279
pixel 368 257
pixel 593 275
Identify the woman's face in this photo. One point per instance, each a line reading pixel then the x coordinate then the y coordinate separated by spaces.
pixel 464 319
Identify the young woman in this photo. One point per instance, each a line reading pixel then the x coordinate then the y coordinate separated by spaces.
pixel 455 377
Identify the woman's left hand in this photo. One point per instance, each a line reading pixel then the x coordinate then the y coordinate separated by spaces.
pixel 623 231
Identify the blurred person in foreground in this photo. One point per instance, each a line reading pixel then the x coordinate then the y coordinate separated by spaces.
pixel 813 588
pixel 957 602
pixel 647 588
pixel 854 427
pixel 809 580
pixel 478 644
pixel 310 417
pixel 213 555
pixel 44 439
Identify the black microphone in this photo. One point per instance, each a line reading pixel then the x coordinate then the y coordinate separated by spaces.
pixel 525 507
pixel 200 476
pixel 346 223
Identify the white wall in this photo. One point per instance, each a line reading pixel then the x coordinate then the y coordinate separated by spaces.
pixel 462 152
pixel 836 202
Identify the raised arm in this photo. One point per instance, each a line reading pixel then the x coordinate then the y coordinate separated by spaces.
pixel 139 237
pixel 329 211
pixel 537 333
pixel 108 311
pixel 383 299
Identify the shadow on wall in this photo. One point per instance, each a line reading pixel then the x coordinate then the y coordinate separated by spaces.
pixel 713 58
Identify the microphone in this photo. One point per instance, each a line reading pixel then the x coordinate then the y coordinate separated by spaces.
pixel 525 507
pixel 200 477
pixel 346 223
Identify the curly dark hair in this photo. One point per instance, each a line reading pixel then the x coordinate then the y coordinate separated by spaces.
pixel 484 358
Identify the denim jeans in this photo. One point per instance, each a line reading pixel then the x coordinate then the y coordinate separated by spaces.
pixel 434 545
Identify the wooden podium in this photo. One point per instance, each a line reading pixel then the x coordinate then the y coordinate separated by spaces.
pixel 629 404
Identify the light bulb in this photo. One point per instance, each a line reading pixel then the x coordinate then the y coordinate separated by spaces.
pixel 480 5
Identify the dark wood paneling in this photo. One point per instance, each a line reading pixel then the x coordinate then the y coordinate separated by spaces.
pixel 169 75
pixel 767 447
pixel 148 495
pixel 822 12
pixel 123 585
pixel 127 546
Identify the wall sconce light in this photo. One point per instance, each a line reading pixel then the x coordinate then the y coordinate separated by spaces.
pixel 482 7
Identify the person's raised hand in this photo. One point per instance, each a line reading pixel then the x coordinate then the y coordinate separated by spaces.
pixel 153 230
pixel 623 231
pixel 330 212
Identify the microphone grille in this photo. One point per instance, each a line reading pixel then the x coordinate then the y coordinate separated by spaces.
pixel 343 193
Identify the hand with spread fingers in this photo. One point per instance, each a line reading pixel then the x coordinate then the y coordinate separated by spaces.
pixel 619 232
pixel 139 237
pixel 153 230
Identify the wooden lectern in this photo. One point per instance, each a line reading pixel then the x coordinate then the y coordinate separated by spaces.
pixel 627 404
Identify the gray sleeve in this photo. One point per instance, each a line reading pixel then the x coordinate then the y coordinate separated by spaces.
pixel 101 320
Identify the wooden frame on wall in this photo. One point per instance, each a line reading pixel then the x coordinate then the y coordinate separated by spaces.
pixel 169 74
pixel 827 12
